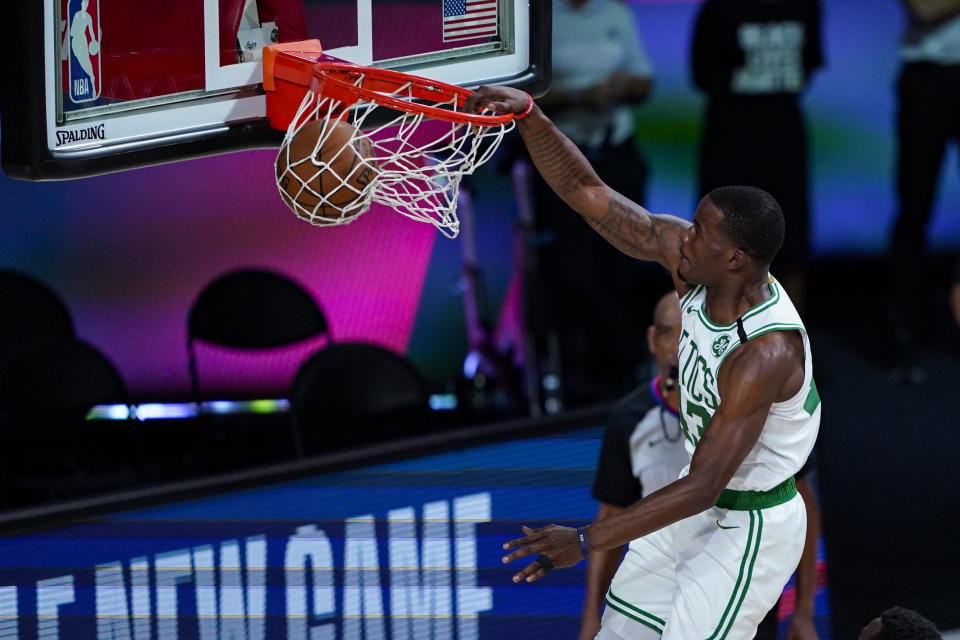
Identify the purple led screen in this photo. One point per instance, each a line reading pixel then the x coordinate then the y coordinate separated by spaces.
pixel 129 252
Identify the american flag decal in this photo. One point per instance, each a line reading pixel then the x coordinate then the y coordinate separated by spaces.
pixel 469 19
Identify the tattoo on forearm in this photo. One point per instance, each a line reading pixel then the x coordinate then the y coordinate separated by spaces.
pixel 632 233
pixel 553 160
pixel 629 228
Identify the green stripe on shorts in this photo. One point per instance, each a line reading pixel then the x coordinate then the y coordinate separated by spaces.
pixel 634 612
pixel 753 560
pixel 633 617
pixel 736 586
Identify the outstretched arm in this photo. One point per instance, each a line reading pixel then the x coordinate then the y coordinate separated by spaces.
pixel 624 223
pixel 601 565
pixel 759 373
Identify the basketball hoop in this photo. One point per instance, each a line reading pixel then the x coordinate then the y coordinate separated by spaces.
pixel 416 139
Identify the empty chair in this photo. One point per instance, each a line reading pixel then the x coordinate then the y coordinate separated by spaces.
pixel 31 311
pixel 49 449
pixel 252 309
pixel 352 393
pixel 58 378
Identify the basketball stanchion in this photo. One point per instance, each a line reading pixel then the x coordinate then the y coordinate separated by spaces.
pixel 357 135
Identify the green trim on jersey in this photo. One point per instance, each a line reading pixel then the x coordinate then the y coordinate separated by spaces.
pixel 813 398
pixel 634 612
pixel 690 294
pixel 726 623
pixel 752 311
pixel 756 333
pixel 775 326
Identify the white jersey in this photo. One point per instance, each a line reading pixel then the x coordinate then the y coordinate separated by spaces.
pixel 643 448
pixel 791 428
pixel 656 453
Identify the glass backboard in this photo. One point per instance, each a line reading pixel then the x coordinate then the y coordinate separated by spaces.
pixel 107 85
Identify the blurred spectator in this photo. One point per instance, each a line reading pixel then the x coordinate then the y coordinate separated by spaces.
pixel 643 450
pixel 897 623
pixel 928 118
pixel 753 59
pixel 600 73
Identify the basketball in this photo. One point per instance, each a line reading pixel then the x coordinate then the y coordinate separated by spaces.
pixel 329 185
pixel 94 47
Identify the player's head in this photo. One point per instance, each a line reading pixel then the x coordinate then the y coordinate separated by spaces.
pixel 898 623
pixel 737 231
pixel 663 336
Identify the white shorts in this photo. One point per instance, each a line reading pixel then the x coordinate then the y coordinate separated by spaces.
pixel 714 575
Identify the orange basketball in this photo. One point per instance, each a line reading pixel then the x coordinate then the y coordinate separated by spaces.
pixel 330 185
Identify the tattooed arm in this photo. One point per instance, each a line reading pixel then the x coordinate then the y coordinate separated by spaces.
pixel 625 224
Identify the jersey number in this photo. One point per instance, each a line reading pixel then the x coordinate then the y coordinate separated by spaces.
pixel 694 411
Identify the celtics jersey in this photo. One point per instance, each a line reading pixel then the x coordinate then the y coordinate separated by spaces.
pixel 791 427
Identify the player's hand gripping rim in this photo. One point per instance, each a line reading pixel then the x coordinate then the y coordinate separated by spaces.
pixel 557 547
pixel 500 100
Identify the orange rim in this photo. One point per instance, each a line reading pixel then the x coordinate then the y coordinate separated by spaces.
pixel 336 80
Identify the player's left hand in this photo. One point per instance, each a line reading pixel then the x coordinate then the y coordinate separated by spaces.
pixel 802 629
pixel 560 546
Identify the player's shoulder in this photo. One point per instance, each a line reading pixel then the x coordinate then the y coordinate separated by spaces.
pixel 640 399
pixel 767 349
pixel 767 361
pixel 631 408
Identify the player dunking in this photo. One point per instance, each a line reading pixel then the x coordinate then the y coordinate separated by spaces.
pixel 711 551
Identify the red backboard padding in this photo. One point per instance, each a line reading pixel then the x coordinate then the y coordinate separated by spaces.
pixel 153 48
pixel 287 14
pixel 148 48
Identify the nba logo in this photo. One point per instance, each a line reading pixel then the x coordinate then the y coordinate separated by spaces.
pixel 83 38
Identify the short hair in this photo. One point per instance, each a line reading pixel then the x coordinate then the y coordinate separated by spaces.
pixel 906 624
pixel 752 219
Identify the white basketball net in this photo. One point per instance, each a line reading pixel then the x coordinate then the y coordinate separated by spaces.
pixel 418 178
